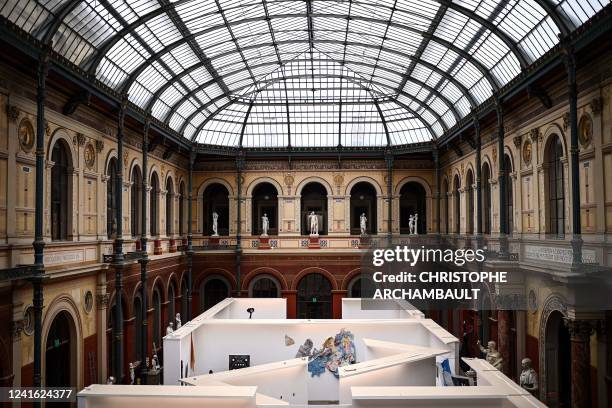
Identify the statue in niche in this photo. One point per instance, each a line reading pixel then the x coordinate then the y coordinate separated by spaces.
pixel 215 220
pixel 178 321
pixel 265 225
pixel 313 220
pixel 170 328
pixel 415 224
pixel 132 374
pixel 363 224
pixel 529 377
pixel 410 224
pixel 492 356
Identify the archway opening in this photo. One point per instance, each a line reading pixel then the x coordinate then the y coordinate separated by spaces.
pixel 558 365
pixel 136 202
pixel 265 287
pixel 470 201
pixel 361 287
pixel 111 199
pixel 264 201
pixel 314 298
pixel 60 191
pixel 413 200
pixel 181 208
pixel 555 186
pixel 363 201
pixel 169 207
pixel 61 352
pixel 509 210
pixel 157 317
pixel 314 199
pixel 445 205
pixel 457 204
pixel 154 206
pixel 215 200
pixel 486 198
pixel 212 291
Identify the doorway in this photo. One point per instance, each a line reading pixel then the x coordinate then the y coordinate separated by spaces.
pixel 558 362
pixel 314 300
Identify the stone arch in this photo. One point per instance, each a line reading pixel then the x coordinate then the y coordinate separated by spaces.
pixel 135 163
pixel 162 289
pixel 210 272
pixel 415 179
pixel 555 302
pixel 314 269
pixel 263 275
pixel 253 184
pixel 508 151
pixel 155 169
pixel 264 270
pixel 469 167
pixel 552 130
pixel 363 179
pixel 174 280
pixel 62 134
pixel 352 275
pixel 65 303
pixel 112 154
pixel 317 179
pixel 214 180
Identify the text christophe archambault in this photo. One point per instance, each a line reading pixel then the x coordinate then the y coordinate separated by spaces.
pixel 404 277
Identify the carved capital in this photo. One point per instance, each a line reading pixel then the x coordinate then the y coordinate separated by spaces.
pixel 13 113
pixel 566 119
pixel 99 145
pixel 534 135
pixel 580 329
pixel 79 139
pixel 517 141
pixel 102 300
pixel 17 328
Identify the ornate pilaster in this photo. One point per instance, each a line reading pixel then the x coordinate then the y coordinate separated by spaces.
pixel 503 228
pixel 477 136
pixel 144 256
pixel 580 336
pixel 389 161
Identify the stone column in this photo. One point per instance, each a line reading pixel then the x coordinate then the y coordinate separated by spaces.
pixel 389 161
pixel 501 177
pixel 437 176
pixel 580 336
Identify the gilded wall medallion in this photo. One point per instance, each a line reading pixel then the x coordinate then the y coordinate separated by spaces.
pixel 89 155
pixel 26 135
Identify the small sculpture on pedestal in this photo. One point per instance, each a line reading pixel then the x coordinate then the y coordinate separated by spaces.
pixel 170 328
pixel 215 220
pixel 132 374
pixel 178 321
pixel 111 380
pixel 492 356
pixel 529 377
pixel 313 220
pixel 363 224
pixel 410 224
pixel 265 224
pixel 155 362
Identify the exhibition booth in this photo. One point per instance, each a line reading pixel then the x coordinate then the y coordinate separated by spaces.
pixel 245 353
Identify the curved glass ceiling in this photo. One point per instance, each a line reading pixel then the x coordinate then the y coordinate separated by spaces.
pixel 274 73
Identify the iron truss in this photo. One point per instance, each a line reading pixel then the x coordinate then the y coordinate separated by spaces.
pixel 295 74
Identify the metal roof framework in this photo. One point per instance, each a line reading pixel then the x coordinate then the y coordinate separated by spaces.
pixel 303 73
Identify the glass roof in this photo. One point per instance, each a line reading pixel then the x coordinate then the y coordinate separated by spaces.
pixel 275 73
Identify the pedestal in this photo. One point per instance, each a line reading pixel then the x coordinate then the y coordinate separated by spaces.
pixel 264 243
pixel 157 248
pixel 213 241
pixel 172 245
pixel 313 242
pixel 364 242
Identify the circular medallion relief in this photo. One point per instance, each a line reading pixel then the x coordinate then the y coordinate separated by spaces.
pixel 289 180
pixel 26 135
pixel 88 301
pixel 338 179
pixel 90 155
pixel 533 301
pixel 527 152
pixel 28 320
pixel 585 130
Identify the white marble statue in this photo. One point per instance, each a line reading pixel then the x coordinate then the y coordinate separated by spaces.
pixel 178 321
pixel 132 374
pixel 215 222
pixel 492 356
pixel 265 224
pixel 155 362
pixel 363 224
pixel 410 224
pixel 313 220
pixel 415 224
pixel 529 377
pixel 170 328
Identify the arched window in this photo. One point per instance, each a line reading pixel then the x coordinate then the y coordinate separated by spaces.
pixel 264 201
pixel 182 209
pixel 509 210
pixel 154 206
pixel 470 201
pixel 314 199
pixel 363 201
pixel 264 287
pixel 137 327
pixel 314 297
pixel 111 344
pixel 171 304
pixel 555 187
pixel 157 322
pixel 216 200
pixel 446 205
pixel 486 198
pixel 111 198
pixel 361 287
pixel 413 201
pixel 169 207
pixel 60 191
pixel 136 202
pixel 212 291
pixel 457 204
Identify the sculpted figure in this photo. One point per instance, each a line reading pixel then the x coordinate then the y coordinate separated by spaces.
pixel 313 220
pixel 410 224
pixel 265 224
pixel 529 377
pixel 363 224
pixel 415 224
pixel 491 354
pixel 178 321
pixel 215 222
pixel 170 328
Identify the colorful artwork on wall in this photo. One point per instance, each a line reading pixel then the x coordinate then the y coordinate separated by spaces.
pixel 335 352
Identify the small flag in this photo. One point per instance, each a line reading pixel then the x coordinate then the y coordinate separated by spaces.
pixel 192 355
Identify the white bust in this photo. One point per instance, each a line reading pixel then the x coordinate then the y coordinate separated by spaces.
pixel 529 377
pixel 178 321
pixel 492 356
pixel 170 328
